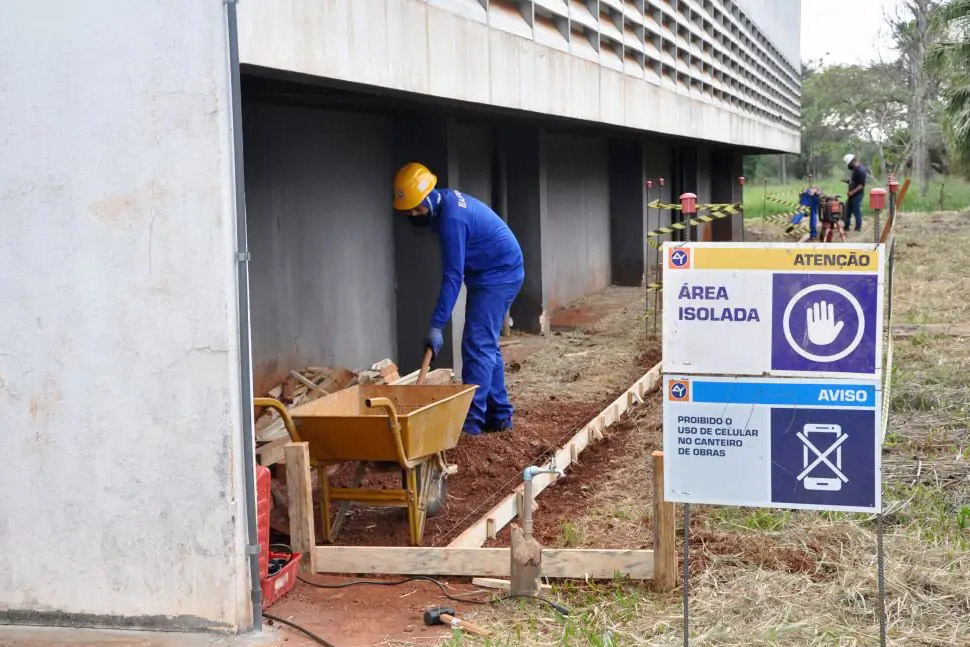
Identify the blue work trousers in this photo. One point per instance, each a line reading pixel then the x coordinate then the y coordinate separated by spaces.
pixel 853 206
pixel 482 362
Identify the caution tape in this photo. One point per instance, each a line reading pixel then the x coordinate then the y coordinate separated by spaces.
pixel 718 207
pixel 651 287
pixel 786 203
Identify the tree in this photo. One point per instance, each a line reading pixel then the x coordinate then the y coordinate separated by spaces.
pixel 913 35
pixel 950 56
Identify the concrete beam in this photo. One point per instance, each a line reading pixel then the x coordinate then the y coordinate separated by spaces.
pixel 628 200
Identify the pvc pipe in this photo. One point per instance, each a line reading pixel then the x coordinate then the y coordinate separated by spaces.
pixel 248 440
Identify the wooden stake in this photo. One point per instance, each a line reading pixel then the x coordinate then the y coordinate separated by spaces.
pixel 526 563
pixel 664 532
pixel 302 539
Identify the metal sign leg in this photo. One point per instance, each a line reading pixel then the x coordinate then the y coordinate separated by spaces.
pixel 880 564
pixel 687 575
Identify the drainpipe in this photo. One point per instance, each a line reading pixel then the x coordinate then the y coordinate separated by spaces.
pixel 245 349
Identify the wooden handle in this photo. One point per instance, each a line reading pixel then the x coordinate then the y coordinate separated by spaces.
pixel 425 365
pixel 470 627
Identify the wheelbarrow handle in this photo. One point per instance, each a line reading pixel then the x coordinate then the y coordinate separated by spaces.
pixel 388 407
pixel 280 408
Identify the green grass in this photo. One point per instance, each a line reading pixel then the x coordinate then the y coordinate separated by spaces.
pixel 956 195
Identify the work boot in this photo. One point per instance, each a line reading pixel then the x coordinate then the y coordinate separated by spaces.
pixel 471 431
pixel 498 427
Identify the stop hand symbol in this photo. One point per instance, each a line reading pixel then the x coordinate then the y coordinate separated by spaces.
pixel 821 325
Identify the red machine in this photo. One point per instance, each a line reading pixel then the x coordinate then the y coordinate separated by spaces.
pixel 831 219
pixel 285 566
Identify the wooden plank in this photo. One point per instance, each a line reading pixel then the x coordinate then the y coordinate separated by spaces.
pixel 438 376
pixel 664 531
pixel 272 452
pixel 307 383
pixel 507 509
pixel 485 562
pixel 302 538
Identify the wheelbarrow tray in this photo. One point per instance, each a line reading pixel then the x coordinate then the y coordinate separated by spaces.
pixel 340 427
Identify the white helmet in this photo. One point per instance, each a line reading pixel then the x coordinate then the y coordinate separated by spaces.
pixel 848 157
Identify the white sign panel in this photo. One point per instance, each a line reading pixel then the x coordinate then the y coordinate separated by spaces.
pixel 786 443
pixel 773 309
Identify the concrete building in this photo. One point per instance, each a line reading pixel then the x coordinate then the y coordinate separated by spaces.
pixel 135 166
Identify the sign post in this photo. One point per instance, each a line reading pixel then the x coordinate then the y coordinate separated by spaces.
pixel 773 378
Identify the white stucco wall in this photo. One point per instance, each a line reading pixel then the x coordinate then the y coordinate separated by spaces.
pixel 417 46
pixel 120 489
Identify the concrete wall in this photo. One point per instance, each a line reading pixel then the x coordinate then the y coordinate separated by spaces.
pixel 321 238
pixel 121 495
pixel 781 21
pixel 578 229
pixel 417 47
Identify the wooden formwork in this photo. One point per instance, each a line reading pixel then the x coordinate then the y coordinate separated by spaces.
pixel 465 556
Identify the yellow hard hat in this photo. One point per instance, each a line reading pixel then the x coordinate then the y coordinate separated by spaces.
pixel 412 184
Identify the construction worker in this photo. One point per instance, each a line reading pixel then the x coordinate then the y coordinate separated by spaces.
pixel 477 247
pixel 857 189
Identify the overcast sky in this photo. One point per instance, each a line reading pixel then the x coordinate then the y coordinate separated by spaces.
pixel 846 31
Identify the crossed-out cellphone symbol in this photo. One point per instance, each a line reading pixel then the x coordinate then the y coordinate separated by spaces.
pixel 818 432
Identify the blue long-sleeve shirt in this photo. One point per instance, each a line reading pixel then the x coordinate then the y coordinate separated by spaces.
pixel 477 247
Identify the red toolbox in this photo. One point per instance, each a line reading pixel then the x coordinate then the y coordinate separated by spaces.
pixel 280 584
pixel 264 504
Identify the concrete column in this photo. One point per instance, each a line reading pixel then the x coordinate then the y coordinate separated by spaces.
pixel 417 258
pixel 726 167
pixel 628 210
pixel 526 197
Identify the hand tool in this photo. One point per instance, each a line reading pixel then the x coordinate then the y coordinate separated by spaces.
pixel 446 616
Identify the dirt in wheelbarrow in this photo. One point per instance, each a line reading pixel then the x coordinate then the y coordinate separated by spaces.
pixel 556 390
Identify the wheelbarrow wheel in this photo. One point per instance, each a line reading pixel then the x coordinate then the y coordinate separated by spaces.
pixel 437 493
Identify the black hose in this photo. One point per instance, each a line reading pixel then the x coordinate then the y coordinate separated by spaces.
pixel 416 578
pixel 304 630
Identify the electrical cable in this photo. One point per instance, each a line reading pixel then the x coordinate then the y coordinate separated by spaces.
pixel 455 597
pixel 560 609
pixel 301 629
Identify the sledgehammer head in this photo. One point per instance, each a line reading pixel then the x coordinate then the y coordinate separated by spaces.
pixel 432 616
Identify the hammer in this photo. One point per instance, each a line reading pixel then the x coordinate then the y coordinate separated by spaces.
pixel 446 616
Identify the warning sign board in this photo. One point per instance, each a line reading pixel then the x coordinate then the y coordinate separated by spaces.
pixel 792 443
pixel 773 309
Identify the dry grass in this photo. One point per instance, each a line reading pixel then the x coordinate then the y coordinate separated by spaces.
pixel 796 579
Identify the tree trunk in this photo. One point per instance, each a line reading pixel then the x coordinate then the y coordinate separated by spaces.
pixel 917 78
pixel 784 169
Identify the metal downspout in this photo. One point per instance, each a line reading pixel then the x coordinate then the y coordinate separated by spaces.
pixel 245 348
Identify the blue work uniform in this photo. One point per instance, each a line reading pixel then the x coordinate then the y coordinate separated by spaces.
pixel 854 204
pixel 809 198
pixel 479 248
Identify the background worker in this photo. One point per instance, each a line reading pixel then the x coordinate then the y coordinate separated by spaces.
pixel 479 248
pixel 857 189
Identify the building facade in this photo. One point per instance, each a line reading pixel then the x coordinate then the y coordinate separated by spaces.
pixel 135 168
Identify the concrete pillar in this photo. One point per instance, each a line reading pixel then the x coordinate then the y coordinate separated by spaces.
pixel 628 199
pixel 527 204
pixel 684 179
pixel 726 167
pixel 417 258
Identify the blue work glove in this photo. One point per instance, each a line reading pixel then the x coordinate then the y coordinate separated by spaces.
pixel 434 341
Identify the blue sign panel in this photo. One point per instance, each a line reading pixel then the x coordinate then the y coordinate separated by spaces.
pixel 824 322
pixel 825 458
